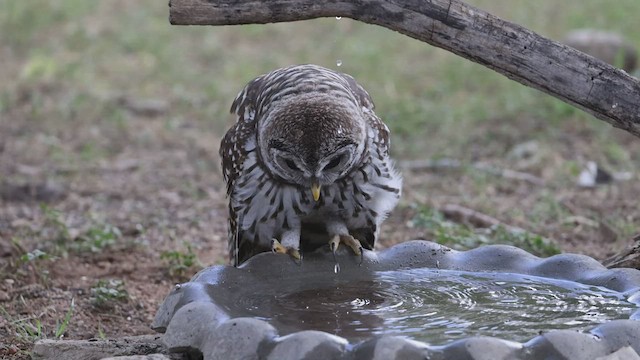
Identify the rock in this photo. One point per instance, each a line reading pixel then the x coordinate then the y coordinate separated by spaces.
pixel 6 248
pixel 309 344
pixel 191 326
pixel 391 348
pixel 626 353
pixel 168 307
pixel 483 348
pixel 606 46
pixel 140 357
pixel 239 338
pixel 618 334
pixel 144 107
pixel 97 349
pixel 566 344
pixel 593 175
pixel 47 191
pixel 524 150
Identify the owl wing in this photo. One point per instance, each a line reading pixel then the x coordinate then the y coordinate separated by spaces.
pixel 233 148
pixel 233 152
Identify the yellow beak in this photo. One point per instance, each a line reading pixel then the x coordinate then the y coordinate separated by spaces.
pixel 315 190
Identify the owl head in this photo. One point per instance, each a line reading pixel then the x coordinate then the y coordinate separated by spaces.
pixel 312 140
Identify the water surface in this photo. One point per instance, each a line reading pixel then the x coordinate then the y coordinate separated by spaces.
pixel 437 306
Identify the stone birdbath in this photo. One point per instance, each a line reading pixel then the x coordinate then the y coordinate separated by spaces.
pixel 414 300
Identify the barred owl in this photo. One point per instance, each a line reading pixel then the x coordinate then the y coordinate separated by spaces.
pixel 306 164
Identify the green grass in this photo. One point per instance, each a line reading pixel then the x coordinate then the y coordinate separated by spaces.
pixel 423 92
pixel 35 255
pixel 105 294
pixel 36 262
pixel 55 225
pixel 180 264
pixel 95 237
pixel 101 334
pixel 61 325
pixel 461 237
pixel 31 328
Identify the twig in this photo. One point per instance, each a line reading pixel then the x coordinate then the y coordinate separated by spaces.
pixel 431 164
pixel 627 258
pixel 465 215
pixel 456 164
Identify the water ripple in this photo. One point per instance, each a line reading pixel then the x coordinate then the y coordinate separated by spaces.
pixel 437 306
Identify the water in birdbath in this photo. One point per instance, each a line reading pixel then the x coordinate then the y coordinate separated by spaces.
pixel 437 306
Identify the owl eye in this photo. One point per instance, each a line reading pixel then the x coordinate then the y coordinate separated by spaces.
pixel 333 163
pixel 292 165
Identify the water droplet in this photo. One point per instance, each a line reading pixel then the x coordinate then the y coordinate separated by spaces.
pixel 339 62
pixel 613 106
pixel 336 268
pixel 338 17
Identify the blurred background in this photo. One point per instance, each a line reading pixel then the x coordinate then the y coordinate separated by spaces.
pixel 110 121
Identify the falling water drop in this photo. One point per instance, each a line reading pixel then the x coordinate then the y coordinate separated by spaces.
pixel 336 268
pixel 339 62
pixel 338 17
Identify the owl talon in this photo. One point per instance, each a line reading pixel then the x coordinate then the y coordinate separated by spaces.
pixel 278 248
pixel 333 245
pixel 295 255
pixel 351 242
pixel 355 245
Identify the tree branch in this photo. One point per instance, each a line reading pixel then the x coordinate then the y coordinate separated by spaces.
pixel 629 257
pixel 606 92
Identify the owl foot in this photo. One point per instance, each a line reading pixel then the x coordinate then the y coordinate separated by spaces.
pixel 348 240
pixel 277 247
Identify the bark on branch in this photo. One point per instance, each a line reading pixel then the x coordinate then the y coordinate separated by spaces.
pixel 608 93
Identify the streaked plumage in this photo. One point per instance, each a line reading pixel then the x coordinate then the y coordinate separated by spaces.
pixel 299 127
